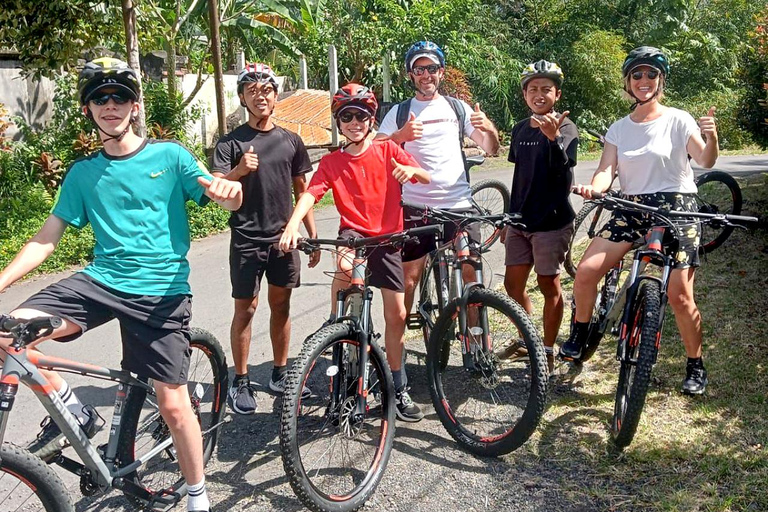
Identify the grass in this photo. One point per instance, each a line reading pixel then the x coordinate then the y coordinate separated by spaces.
pixel 689 454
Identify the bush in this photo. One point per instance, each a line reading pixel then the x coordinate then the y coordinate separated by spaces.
pixel 731 133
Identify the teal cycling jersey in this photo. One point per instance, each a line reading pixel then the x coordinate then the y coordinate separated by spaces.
pixel 136 206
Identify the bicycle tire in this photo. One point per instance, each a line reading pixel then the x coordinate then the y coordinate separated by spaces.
pixel 143 427
pixel 635 376
pixel 432 297
pixel 320 489
pixel 492 197
pixel 23 475
pixel 457 395
pixel 590 218
pixel 713 198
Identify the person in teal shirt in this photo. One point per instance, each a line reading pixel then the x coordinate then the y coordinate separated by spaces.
pixel 133 194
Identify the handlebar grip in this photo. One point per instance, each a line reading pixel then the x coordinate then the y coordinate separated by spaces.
pixel 595 194
pixel 36 324
pixel 415 206
pixel 426 230
pixel 7 323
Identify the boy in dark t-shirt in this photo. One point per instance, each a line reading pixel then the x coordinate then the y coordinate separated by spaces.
pixel 271 163
pixel 366 177
pixel 543 150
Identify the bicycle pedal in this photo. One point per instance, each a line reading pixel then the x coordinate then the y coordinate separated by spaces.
pixel 414 321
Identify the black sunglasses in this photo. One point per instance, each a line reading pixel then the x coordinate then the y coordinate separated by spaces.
pixel 362 117
pixel 118 98
pixel 651 74
pixel 419 70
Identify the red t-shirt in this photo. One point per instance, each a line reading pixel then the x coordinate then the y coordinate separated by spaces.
pixel 366 194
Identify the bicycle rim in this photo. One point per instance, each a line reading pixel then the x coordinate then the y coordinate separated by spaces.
pixel 335 461
pixel 206 382
pixel 493 408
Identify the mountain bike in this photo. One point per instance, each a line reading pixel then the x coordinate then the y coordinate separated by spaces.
pixel 336 443
pixel 718 193
pixel 632 307
pixel 139 459
pixel 489 406
pixel 489 197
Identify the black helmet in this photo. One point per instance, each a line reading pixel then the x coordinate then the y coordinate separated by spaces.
pixel 107 72
pixel 645 56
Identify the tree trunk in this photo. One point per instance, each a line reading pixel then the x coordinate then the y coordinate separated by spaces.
pixel 170 67
pixel 132 51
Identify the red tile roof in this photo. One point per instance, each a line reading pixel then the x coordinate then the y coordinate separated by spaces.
pixel 308 113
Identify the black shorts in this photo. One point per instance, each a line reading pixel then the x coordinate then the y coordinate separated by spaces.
pixel 384 263
pixel 154 329
pixel 423 245
pixel 248 265
pixel 625 226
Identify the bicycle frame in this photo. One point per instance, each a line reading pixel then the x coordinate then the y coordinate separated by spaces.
pixel 23 366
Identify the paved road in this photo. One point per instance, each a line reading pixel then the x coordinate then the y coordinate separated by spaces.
pixel 247 473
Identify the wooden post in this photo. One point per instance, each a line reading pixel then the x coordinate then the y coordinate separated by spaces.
pixel 241 65
pixel 385 93
pixel 303 72
pixel 218 80
pixel 333 79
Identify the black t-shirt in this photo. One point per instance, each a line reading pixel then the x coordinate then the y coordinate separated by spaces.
pixel 267 192
pixel 543 176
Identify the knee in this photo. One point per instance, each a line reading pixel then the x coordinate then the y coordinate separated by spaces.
pixel 549 286
pixel 395 315
pixel 281 306
pixel 175 409
pixel 681 301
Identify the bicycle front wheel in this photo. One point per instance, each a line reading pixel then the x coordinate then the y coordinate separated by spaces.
pixel 635 370
pixel 589 220
pixel 718 193
pixel 335 459
pixel 492 197
pixel 490 407
pixel 433 295
pixel 27 484
pixel 143 427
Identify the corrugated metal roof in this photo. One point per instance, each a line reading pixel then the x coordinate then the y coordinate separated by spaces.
pixel 308 113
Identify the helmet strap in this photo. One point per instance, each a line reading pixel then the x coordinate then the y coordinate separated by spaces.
pixel 118 137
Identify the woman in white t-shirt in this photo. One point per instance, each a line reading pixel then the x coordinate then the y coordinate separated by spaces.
pixel 649 151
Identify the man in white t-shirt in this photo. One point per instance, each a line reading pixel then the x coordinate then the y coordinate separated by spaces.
pixel 431 135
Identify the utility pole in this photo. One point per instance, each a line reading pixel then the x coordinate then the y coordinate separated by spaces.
pixel 303 72
pixel 218 79
pixel 333 79
pixel 385 94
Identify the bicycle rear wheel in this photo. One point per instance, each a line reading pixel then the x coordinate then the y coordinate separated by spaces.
pixel 718 193
pixel 492 198
pixel 143 427
pixel 590 218
pixel 27 484
pixel 333 460
pixel 635 371
pixel 494 408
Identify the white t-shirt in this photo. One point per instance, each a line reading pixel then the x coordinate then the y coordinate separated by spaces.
pixel 652 156
pixel 437 152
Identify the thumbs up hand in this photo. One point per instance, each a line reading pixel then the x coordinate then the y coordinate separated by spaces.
pixel 402 173
pixel 707 124
pixel 412 130
pixel 248 163
pixel 479 120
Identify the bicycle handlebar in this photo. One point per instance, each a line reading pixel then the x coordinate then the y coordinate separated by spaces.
pixel 442 215
pixel 309 245
pixel 25 331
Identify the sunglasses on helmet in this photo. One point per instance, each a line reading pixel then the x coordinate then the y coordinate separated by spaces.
pixel 347 116
pixel 432 69
pixel 117 97
pixel 652 74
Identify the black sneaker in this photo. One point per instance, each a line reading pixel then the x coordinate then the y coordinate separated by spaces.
pixel 405 409
pixel 51 441
pixel 573 348
pixel 695 382
pixel 242 397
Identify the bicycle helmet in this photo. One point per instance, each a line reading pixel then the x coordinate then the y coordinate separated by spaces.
pixel 542 69
pixel 354 95
pixel 645 56
pixel 256 72
pixel 424 49
pixel 107 72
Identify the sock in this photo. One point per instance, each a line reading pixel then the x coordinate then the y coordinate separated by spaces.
pixel 549 350
pixel 198 497
pixel 239 379
pixel 74 404
pixel 400 378
pixel 696 362
pixel 278 372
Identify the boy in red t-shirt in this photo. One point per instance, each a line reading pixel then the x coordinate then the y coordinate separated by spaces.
pixel 366 177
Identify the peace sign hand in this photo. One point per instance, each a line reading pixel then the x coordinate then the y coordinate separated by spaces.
pixel 549 123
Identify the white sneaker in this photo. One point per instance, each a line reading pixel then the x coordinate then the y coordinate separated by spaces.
pixel 279 387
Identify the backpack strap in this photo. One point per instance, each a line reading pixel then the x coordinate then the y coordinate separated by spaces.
pixel 461 115
pixel 403 109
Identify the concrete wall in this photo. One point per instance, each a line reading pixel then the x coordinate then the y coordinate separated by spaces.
pixel 32 100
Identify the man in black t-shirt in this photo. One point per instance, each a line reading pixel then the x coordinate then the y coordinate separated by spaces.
pixel 270 162
pixel 543 150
